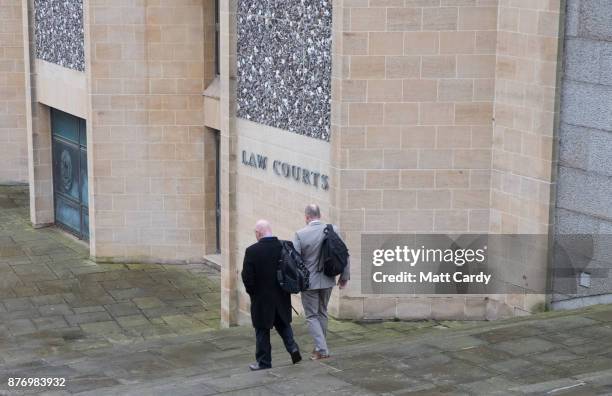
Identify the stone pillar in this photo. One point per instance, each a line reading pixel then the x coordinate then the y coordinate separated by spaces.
pixel 147 77
pixel 526 113
pixel 39 131
pixel 227 105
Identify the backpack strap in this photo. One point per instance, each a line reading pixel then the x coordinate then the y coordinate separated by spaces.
pixel 325 232
pixel 283 246
pixel 319 268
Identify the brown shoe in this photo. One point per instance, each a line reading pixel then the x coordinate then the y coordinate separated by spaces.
pixel 318 356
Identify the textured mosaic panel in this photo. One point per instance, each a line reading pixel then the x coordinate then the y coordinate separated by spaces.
pixel 284 64
pixel 59 32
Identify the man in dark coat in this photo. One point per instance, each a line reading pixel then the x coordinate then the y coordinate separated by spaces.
pixel 270 305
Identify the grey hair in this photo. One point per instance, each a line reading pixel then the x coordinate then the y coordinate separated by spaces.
pixel 313 211
pixel 263 226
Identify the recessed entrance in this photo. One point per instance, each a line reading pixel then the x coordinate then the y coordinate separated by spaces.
pixel 212 212
pixel 70 193
pixel 218 192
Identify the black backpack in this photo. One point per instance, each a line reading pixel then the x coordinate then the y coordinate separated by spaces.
pixel 333 257
pixel 292 274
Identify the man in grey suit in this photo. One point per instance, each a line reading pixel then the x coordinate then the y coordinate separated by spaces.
pixel 308 242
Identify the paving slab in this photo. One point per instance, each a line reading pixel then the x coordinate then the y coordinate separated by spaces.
pixel 525 346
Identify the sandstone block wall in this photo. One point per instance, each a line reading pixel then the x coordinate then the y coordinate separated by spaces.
pixel 525 109
pixel 413 130
pixel 13 127
pixel 148 72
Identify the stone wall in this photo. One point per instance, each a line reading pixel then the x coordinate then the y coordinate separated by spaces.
pixel 525 109
pixel 524 139
pixel 412 127
pixel 147 136
pixel 13 128
pixel 40 162
pixel 584 193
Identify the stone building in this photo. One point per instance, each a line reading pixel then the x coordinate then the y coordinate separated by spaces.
pixel 161 130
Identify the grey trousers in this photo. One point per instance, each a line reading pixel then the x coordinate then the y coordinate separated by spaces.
pixel 315 307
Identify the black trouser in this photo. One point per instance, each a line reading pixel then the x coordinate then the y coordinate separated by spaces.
pixel 263 349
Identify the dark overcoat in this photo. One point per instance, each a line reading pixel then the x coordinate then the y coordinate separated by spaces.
pixel 259 278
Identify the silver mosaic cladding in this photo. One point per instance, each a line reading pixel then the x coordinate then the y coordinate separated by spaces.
pixel 59 32
pixel 284 64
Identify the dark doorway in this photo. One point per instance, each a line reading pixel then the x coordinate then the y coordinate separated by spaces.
pixel 212 187
pixel 217 38
pixel 70 188
pixel 218 190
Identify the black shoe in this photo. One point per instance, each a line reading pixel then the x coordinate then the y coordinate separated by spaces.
pixel 257 367
pixel 296 357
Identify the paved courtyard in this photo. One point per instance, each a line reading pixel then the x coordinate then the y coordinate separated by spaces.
pixel 153 330
pixel 47 283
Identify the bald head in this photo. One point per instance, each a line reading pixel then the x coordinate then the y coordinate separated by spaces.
pixel 312 212
pixel 263 229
